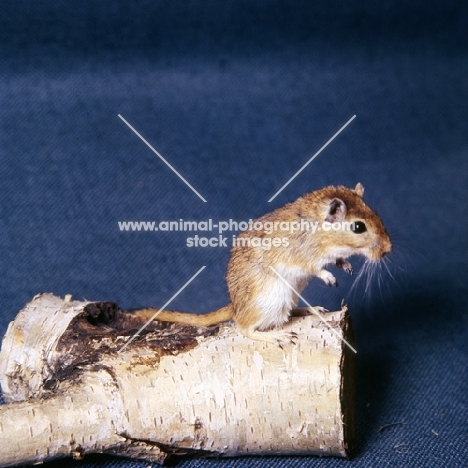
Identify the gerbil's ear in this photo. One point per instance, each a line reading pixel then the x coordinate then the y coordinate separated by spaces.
pixel 359 189
pixel 336 210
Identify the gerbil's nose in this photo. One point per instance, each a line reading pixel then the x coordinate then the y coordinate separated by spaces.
pixel 387 247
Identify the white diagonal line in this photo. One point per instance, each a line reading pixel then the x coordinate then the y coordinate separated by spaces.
pixel 154 151
pixel 161 309
pixel 313 310
pixel 313 157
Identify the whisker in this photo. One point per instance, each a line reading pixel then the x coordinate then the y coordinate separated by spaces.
pixel 384 263
pixel 356 280
pixel 368 277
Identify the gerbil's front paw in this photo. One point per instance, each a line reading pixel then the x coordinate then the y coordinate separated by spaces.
pixel 342 263
pixel 327 278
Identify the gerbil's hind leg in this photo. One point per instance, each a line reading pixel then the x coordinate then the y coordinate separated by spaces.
pixel 275 336
pixel 327 278
pixel 342 263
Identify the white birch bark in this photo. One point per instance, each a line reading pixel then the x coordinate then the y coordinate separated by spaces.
pixel 223 394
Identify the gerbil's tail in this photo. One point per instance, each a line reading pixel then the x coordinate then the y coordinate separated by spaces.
pixel 196 320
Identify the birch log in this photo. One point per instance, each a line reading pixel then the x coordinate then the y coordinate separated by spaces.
pixel 175 389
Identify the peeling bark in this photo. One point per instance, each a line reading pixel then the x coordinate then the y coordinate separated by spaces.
pixel 173 390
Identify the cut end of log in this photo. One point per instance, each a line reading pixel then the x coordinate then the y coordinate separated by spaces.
pixel 348 387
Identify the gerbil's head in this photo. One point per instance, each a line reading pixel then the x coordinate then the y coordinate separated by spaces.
pixel 362 231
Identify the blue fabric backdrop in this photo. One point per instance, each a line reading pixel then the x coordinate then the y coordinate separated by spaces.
pixel 237 95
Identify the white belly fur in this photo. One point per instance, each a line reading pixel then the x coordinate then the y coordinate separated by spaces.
pixel 277 298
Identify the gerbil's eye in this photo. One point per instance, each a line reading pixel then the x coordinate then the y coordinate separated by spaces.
pixel 358 227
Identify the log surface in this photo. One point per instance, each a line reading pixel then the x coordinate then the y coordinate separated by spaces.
pixel 173 390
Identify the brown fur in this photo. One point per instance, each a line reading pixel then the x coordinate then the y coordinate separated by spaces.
pixel 252 284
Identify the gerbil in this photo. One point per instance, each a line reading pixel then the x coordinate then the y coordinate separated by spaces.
pixel 260 300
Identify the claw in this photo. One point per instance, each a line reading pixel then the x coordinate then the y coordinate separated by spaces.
pixel 342 263
pixel 279 337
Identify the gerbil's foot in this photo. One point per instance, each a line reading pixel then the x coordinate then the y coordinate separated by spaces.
pixel 317 309
pixel 344 306
pixel 342 263
pixel 327 278
pixel 278 337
